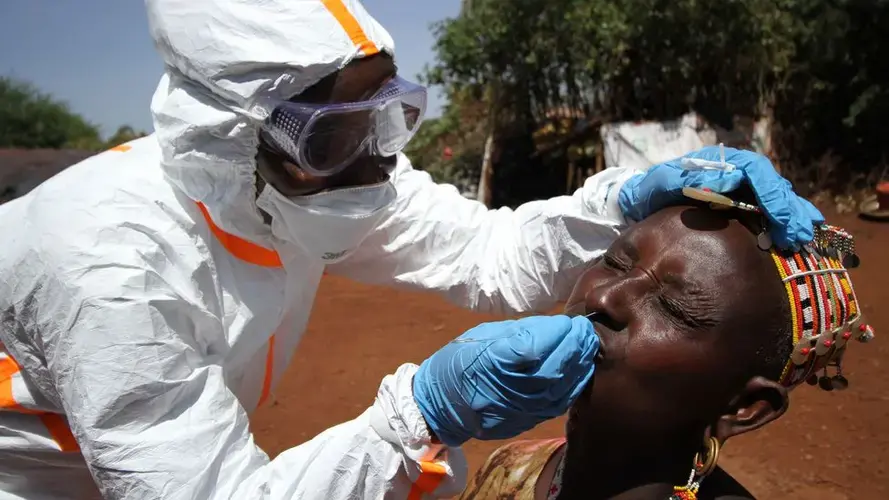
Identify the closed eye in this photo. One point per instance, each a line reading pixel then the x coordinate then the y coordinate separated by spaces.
pixel 615 263
pixel 697 316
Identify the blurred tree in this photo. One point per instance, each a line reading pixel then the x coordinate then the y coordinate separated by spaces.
pixel 627 59
pixel 31 119
pixel 612 60
pixel 816 63
pixel 123 135
pixel 834 102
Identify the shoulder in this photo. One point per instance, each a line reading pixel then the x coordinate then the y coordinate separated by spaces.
pixel 110 212
pixel 423 202
pixel 409 181
pixel 512 470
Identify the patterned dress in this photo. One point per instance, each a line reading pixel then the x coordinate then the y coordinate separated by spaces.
pixel 511 472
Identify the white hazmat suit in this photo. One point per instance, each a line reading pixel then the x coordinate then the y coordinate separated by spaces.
pixel 147 309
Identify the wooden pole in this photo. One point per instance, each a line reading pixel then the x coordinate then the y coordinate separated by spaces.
pixel 569 187
pixel 600 158
pixel 487 173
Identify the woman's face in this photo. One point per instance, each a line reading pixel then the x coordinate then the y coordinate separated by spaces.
pixel 685 301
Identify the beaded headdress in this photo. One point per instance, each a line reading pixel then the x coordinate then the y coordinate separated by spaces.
pixel 824 309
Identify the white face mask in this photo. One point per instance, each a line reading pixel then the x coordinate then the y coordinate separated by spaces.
pixel 329 225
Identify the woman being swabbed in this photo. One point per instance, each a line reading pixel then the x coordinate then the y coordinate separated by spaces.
pixel 704 328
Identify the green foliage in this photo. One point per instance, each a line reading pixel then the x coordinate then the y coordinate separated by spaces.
pixel 461 128
pixel 31 119
pixel 817 63
pixel 627 59
pixel 834 101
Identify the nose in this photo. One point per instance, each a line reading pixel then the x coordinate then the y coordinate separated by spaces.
pixel 612 298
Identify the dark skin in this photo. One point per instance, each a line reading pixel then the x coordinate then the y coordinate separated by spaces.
pixel 358 81
pixel 668 354
pixel 687 302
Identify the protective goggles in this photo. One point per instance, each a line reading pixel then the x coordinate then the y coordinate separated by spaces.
pixel 323 139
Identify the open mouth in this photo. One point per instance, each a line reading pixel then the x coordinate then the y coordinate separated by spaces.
pixel 597 319
pixel 600 355
pixel 605 328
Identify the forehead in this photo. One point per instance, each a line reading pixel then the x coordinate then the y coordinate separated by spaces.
pixel 359 80
pixel 698 246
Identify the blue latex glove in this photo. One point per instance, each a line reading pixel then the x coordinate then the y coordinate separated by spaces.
pixel 791 219
pixel 518 374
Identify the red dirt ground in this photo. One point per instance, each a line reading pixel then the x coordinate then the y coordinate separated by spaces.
pixel 829 446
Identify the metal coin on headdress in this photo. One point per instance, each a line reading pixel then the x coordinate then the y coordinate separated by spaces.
pixel 825 342
pixel 842 337
pixel 851 261
pixel 800 353
pixel 764 241
pixel 855 323
pixel 839 382
pixel 866 335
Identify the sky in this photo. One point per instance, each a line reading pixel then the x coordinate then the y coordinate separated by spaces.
pixel 97 55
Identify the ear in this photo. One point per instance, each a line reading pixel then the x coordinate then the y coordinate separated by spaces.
pixel 760 402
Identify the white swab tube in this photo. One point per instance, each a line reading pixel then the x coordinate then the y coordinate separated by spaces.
pixel 702 164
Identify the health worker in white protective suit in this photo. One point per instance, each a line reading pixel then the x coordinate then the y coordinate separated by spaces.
pixel 152 296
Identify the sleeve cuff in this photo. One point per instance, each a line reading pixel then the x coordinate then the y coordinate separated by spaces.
pixel 602 194
pixel 396 417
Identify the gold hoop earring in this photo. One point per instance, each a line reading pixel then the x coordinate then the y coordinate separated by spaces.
pixel 704 467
